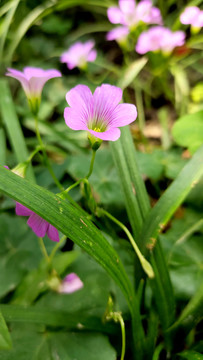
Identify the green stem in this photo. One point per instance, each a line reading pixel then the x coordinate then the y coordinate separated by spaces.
pixel 122 324
pixel 56 247
pixel 144 263
pixel 91 164
pixel 45 155
pixel 141 116
pixel 43 249
pixel 73 185
pixel 116 316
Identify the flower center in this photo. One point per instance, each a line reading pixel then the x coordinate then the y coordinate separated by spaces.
pixel 97 125
pixel 97 129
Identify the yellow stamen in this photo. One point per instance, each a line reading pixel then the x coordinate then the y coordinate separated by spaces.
pixel 97 129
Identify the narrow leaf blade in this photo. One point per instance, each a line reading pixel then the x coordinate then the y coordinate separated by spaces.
pixel 5 339
pixel 172 198
pixel 70 221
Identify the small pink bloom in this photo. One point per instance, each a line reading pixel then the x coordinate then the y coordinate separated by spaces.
pixel 40 226
pixel 100 113
pixel 33 79
pixel 120 33
pixel 159 38
pixel 130 14
pixel 70 284
pixel 79 54
pixel 192 15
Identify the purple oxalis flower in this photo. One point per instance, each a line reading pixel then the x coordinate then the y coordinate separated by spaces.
pixel 119 33
pixel 40 226
pixel 70 284
pixel 79 54
pixel 32 80
pixel 159 38
pixel 130 14
pixel 100 113
pixel 192 15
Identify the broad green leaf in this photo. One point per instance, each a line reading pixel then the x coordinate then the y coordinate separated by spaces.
pixel 188 131
pixel 28 344
pixel 131 72
pixel 5 339
pixel 12 125
pixel 151 165
pixel 69 221
pixel 172 198
pixel 183 251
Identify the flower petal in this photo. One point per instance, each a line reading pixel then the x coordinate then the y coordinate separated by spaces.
pixel 22 210
pixel 33 72
pixel 115 15
pixel 71 283
pixel 92 56
pixel 18 75
pixel 52 233
pixel 105 98
pixel 189 15
pixel 79 97
pixel 75 119
pixel 127 6
pixel 123 115
pixel 87 47
pixel 111 134
pixel 118 33
pixel 38 225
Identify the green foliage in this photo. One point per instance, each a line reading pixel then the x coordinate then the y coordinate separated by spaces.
pixel 188 131
pixel 190 355
pixel 49 345
pixel 155 190
pixel 5 339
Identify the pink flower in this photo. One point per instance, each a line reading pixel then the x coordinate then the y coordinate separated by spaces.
pixel 192 15
pixel 70 284
pixel 159 38
pixel 100 113
pixel 130 14
pixel 32 80
pixel 40 226
pixel 120 34
pixel 79 54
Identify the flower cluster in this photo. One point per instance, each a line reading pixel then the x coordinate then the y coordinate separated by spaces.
pixel 79 54
pixel 159 38
pixel 130 15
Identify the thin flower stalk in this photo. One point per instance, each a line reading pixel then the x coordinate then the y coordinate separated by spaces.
pixel 144 263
